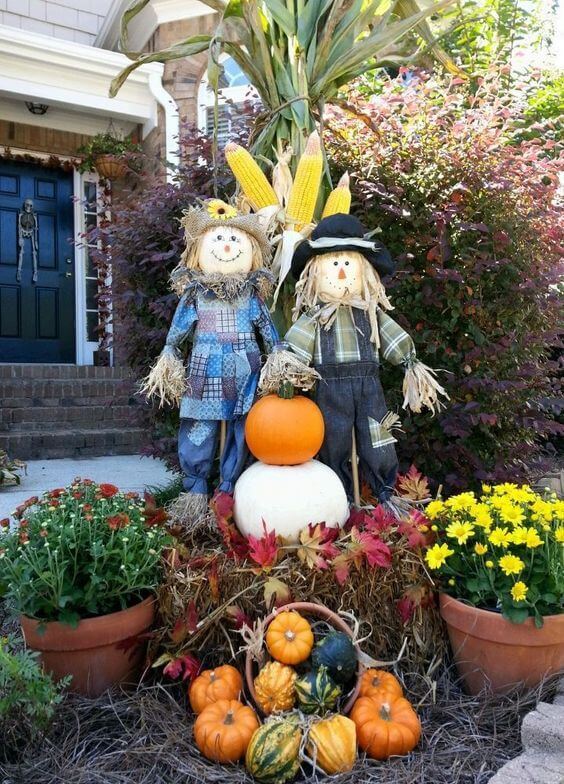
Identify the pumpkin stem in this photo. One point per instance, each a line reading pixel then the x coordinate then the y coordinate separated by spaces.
pixel 213 676
pixel 229 718
pixel 385 712
pixel 286 390
pixel 375 681
pixel 290 636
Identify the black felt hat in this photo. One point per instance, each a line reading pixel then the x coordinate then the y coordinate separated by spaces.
pixel 341 232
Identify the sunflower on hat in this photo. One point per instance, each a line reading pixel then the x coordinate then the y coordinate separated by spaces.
pixel 220 210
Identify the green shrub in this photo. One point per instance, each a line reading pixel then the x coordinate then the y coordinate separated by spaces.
pixel 28 698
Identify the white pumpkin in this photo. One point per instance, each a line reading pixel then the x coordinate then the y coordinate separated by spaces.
pixel 288 498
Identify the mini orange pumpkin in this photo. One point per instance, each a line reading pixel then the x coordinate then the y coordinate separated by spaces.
pixel 223 730
pixel 386 725
pixel 223 683
pixel 289 638
pixel 284 429
pixel 375 682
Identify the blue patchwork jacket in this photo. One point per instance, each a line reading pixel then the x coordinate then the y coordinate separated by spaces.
pixel 225 359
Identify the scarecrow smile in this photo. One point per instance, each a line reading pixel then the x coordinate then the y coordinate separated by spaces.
pixel 221 258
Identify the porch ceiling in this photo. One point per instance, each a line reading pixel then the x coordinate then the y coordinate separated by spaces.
pixel 74 80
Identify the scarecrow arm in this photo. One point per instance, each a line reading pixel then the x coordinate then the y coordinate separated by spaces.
pixel 420 387
pixel 263 322
pixel 167 378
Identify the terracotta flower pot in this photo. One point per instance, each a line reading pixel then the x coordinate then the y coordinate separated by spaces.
pixel 99 653
pixel 490 651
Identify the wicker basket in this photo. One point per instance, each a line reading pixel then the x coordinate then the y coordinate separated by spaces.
pixel 110 167
pixel 319 611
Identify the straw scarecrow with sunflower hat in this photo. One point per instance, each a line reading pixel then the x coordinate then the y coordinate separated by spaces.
pixel 222 283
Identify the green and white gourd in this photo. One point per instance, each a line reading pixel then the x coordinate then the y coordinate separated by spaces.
pixel 317 692
pixel 273 755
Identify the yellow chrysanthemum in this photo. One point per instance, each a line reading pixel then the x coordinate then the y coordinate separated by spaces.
pixel 519 591
pixel 522 494
pixel 486 489
pixel 511 564
pixel 543 509
pixel 490 564
pixel 497 502
pixel 558 511
pixel 434 509
pixel 500 537
pixel 437 555
pixel 504 488
pixel 511 514
pixel 533 539
pixel 480 548
pixel 482 516
pixel 460 531
pixel 220 210
pixel 559 535
pixel 461 502
pixel 519 535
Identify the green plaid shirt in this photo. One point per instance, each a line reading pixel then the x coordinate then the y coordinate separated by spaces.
pixel 396 346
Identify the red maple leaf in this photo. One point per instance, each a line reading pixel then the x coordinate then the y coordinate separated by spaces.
pixel 238 616
pixel 415 529
pixel 413 485
pixel 342 567
pixel 405 607
pixel 153 514
pixel 235 543
pixel 376 552
pixel 379 519
pixel 186 624
pixel 264 551
pixel 186 666
pixel 317 546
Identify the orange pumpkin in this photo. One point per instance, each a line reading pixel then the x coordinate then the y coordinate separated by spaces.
pixel 289 638
pixel 375 682
pixel 223 730
pixel 284 429
pixel 223 683
pixel 386 725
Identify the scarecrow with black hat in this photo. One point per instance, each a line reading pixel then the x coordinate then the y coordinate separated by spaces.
pixel 342 328
pixel 222 284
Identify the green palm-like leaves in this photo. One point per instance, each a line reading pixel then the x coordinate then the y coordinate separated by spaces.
pixel 298 53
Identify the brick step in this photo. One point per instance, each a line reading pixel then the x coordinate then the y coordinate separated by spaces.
pixel 85 417
pixel 38 444
pixel 61 371
pixel 33 389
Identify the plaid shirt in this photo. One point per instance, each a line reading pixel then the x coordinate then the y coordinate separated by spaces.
pixel 396 346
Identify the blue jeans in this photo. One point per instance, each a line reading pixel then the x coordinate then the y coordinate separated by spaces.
pixel 197 447
pixel 348 395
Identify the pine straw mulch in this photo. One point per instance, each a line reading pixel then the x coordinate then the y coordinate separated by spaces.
pixel 146 738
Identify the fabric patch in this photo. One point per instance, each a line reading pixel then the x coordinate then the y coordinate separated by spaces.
pixel 379 435
pixel 199 432
pixel 213 389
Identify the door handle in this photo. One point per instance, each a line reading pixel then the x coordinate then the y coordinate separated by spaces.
pixel 68 261
pixel 68 274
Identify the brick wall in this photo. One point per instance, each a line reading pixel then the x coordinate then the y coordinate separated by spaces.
pixel 74 20
pixel 31 137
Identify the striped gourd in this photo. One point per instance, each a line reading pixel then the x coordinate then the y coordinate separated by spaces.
pixel 339 200
pixel 317 692
pixel 273 755
pixel 250 177
pixel 305 189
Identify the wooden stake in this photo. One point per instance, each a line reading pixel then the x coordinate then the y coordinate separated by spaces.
pixel 222 436
pixel 354 467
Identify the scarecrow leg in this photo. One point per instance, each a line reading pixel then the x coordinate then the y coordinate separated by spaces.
pixel 354 468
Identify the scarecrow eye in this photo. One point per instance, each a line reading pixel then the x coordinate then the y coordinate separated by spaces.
pixel 335 263
pixel 219 237
pixel 234 238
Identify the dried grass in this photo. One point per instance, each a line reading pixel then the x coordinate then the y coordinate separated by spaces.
pixel 146 738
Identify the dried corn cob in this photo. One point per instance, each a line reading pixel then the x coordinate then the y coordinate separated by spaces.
pixel 303 196
pixel 339 200
pixel 250 177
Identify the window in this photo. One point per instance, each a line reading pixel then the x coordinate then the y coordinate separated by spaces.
pixel 234 90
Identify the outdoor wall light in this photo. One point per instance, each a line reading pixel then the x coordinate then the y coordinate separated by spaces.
pixel 36 108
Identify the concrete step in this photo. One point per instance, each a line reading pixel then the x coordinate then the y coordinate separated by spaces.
pixel 532 768
pixel 80 442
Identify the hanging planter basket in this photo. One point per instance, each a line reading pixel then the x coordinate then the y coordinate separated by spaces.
pixel 111 167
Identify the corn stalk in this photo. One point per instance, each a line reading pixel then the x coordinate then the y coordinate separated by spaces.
pixel 297 54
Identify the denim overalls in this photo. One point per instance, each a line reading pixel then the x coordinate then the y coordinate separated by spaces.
pixel 350 396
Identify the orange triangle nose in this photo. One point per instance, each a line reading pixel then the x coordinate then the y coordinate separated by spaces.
pixel 342 274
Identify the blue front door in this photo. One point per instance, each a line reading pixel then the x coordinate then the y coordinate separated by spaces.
pixel 37 311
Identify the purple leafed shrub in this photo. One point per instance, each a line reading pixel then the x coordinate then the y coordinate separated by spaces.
pixel 474 222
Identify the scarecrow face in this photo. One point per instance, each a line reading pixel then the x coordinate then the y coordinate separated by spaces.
pixel 226 250
pixel 340 274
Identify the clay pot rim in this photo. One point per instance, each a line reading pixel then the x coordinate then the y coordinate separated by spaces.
pixel 90 632
pixel 490 625
pixel 321 611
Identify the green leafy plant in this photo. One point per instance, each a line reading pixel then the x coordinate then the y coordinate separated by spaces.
pixel 28 697
pixel 297 54
pixel 82 551
pixel 502 550
pixel 10 468
pixel 106 144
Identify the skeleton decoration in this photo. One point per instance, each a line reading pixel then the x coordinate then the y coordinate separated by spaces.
pixel 223 283
pixel 343 330
pixel 27 230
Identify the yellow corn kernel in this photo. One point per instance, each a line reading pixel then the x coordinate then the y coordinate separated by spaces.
pixel 250 177
pixel 339 200
pixel 303 196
